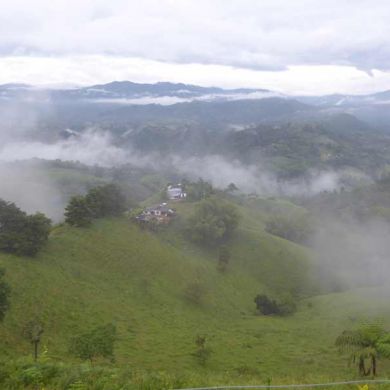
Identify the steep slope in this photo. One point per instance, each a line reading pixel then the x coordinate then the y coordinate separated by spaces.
pixel 114 272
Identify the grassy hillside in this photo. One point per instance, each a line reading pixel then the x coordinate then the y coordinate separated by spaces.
pixel 115 272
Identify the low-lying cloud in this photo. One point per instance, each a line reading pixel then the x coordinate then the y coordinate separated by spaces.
pixel 94 147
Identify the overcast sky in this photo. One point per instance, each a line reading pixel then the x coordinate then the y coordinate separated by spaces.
pixel 294 46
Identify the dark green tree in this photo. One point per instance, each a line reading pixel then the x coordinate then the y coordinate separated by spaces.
pixel 213 221
pixel 34 234
pixel 98 342
pixel 77 212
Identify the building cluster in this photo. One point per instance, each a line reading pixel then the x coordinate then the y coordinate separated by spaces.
pixel 163 213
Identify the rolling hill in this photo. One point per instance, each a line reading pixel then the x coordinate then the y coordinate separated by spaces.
pixel 114 272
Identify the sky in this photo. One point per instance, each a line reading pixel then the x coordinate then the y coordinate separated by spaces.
pixel 297 47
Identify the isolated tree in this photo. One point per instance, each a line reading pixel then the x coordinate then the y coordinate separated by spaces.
pixel 213 221
pixel 223 258
pixel 77 212
pixel 33 331
pixel 368 342
pixel 98 342
pixel 5 292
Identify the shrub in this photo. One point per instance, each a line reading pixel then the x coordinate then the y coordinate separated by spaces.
pixel 267 306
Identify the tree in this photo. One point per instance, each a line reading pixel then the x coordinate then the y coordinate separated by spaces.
pixel 77 212
pixel 106 201
pixel 20 233
pixel 213 221
pixel 197 190
pixel 34 234
pixel 98 342
pixel 223 258
pixel 5 292
pixel 368 342
pixel 33 331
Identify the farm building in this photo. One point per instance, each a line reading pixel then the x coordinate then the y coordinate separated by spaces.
pixel 175 192
pixel 161 213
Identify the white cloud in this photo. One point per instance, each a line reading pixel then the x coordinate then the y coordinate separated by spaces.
pixel 242 33
pixel 316 43
pixel 88 70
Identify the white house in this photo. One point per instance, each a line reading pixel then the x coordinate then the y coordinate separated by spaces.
pixel 175 192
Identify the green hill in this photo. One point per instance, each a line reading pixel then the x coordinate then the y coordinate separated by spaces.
pixel 138 280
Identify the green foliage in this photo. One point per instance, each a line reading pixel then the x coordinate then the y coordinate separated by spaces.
pixel 102 201
pixel 77 212
pixel 198 190
pixel 5 292
pixel 295 227
pixel 370 341
pixel 213 221
pixel 105 201
pixel 20 233
pixel 98 342
pixel 266 305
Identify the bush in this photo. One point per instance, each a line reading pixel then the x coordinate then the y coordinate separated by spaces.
pixel 267 306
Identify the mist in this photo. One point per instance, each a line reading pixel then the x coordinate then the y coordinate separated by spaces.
pixel 29 187
pixel 352 253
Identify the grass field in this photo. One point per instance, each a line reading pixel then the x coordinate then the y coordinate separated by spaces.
pixel 115 272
